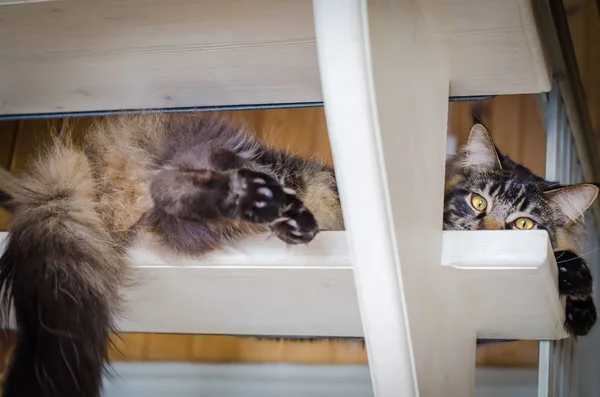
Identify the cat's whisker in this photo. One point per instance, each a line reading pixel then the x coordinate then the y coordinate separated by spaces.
pixel 560 256
pixel 579 256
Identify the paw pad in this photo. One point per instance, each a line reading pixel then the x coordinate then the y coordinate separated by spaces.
pixel 260 198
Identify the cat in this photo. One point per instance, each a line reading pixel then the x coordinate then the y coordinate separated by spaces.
pixel 486 190
pixel 193 184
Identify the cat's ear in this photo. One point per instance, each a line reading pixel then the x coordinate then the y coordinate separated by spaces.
pixel 480 151
pixel 570 202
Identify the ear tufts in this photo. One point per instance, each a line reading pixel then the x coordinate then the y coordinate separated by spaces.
pixel 480 151
pixel 570 202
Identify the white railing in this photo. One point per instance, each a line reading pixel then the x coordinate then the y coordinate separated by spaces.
pixel 568 368
pixel 559 365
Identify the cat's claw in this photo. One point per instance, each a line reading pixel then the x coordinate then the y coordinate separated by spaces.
pixel 297 224
pixel 300 230
pixel 262 199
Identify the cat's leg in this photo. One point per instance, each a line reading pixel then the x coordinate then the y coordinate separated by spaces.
pixel 204 196
pixel 575 282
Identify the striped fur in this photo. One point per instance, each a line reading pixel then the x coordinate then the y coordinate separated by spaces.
pixel 513 192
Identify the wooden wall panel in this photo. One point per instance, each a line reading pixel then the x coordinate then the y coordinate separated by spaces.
pixel 8 133
pixel 31 136
pixel 302 131
pixel 515 123
pixel 128 346
pixel 584 25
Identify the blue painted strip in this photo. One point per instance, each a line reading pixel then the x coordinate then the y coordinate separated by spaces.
pixel 191 109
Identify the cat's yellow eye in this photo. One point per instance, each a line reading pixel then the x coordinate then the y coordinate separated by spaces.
pixel 478 202
pixel 524 223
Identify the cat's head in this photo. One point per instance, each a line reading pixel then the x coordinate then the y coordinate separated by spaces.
pixel 485 190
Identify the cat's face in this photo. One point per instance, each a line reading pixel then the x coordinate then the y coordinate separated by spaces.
pixel 490 192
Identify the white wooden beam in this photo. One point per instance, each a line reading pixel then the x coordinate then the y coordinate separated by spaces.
pixel 86 55
pixel 157 379
pixel 258 287
pixel 385 83
pixel 494 269
pixel 12 2
pixel 263 287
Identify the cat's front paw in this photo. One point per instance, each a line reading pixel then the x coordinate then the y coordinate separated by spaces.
pixel 258 197
pixel 575 281
pixel 297 225
pixel 580 315
pixel 574 276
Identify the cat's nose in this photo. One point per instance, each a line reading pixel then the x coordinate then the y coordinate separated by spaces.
pixel 491 224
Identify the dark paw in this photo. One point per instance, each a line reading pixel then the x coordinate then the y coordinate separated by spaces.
pixel 258 197
pixel 574 276
pixel 580 316
pixel 297 225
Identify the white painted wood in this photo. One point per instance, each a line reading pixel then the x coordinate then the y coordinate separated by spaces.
pixel 552 109
pixel 385 87
pixel 263 287
pixel 494 283
pixel 237 380
pixel 11 2
pixel 276 380
pixel 259 287
pixel 451 144
pixel 506 26
pixel 546 371
pixel 559 361
pixel 587 350
pixel 83 55
pixel 505 382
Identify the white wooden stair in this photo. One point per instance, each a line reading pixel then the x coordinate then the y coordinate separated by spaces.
pixel 86 55
pixel 384 70
pixel 266 288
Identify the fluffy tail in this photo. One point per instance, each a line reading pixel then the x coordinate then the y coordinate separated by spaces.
pixel 61 274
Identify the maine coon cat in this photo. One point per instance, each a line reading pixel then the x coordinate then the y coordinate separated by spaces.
pixel 193 184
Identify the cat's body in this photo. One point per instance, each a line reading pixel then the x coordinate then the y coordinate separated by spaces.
pixel 130 156
pixel 189 184
pixel 192 184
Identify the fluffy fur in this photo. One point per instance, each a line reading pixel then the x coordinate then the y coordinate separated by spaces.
pixel 194 184
pixel 62 272
pixel 191 183
pixel 512 192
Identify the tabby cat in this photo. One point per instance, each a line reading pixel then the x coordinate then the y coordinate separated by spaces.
pixel 192 184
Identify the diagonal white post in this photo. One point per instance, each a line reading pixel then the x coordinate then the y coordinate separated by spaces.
pixel 385 88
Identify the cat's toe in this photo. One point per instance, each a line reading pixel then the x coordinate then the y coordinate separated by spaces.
pixel 574 276
pixel 296 226
pixel 580 315
pixel 259 197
